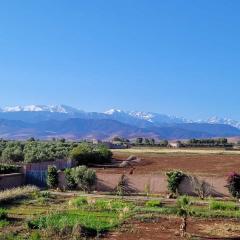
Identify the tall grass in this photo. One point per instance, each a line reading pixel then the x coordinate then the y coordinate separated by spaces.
pixel 223 206
pixel 16 193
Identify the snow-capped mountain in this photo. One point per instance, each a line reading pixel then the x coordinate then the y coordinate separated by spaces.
pixel 41 108
pixel 35 113
pixel 43 121
pixel 217 120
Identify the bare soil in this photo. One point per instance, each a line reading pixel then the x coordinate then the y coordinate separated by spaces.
pixel 167 228
pixel 201 164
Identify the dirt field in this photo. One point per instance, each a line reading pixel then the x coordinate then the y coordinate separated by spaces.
pixel 201 162
pixel 167 228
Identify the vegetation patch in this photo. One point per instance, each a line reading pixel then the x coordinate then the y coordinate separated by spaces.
pixel 223 206
pixel 16 193
pixel 153 203
pixel 174 179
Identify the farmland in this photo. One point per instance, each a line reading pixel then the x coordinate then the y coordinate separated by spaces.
pixel 215 162
pixel 46 215
pixel 33 214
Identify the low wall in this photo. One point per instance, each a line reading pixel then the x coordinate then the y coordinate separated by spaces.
pixel 11 180
pixel 154 183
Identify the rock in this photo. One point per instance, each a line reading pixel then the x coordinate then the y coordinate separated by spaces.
pixel 132 157
pixel 124 164
pixel 136 161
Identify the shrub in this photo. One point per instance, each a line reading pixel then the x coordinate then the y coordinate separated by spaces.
pixel 223 206
pixel 6 169
pixel 183 202
pixel 3 214
pixel 153 203
pixel 52 177
pixel 233 185
pixel 70 181
pixel 174 179
pixel 87 154
pixel 81 177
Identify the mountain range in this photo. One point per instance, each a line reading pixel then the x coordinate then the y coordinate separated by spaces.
pixel 45 122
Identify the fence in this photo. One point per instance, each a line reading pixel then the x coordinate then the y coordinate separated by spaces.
pixel 36 173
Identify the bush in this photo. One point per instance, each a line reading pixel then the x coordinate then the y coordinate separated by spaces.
pixel 174 179
pixel 70 181
pixel 3 214
pixel 153 203
pixel 13 152
pixel 82 177
pixel 87 154
pixel 183 201
pixel 233 181
pixel 223 206
pixel 6 169
pixel 52 177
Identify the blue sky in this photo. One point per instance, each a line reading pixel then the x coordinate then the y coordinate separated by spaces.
pixel 179 57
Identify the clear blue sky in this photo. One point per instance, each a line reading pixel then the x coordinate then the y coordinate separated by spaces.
pixel 178 57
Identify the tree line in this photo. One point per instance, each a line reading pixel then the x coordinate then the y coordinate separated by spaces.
pixel 40 151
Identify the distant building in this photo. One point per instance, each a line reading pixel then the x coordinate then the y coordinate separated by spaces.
pixel 95 141
pixel 174 144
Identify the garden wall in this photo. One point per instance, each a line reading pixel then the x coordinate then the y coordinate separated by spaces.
pixel 11 180
pixel 156 183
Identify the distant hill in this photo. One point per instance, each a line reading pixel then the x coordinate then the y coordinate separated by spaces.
pixel 45 122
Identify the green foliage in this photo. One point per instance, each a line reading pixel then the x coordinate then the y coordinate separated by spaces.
pixel 93 204
pixel 174 179
pixel 12 152
pixel 86 154
pixel 3 214
pixel 223 206
pixel 78 202
pixel 153 203
pixel 52 177
pixel 70 181
pixel 35 151
pixel 81 177
pixel 6 169
pixel 183 201
pixel 4 223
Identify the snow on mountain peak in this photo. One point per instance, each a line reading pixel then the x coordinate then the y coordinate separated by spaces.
pixel 40 108
pixel 112 111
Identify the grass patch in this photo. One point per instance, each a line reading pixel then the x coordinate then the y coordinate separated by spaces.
pixel 16 193
pixel 93 215
pixel 4 223
pixel 223 206
pixel 153 203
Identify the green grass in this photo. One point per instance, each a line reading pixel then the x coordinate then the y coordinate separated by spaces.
pixel 93 204
pixel 4 223
pixel 153 203
pixel 223 206
pixel 94 215
pixel 96 221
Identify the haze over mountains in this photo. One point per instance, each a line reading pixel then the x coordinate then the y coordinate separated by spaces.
pixel 45 122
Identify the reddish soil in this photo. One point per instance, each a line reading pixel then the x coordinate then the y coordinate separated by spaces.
pixel 211 164
pixel 167 228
